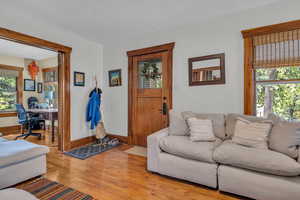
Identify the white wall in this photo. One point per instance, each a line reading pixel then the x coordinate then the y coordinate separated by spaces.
pixel 48 62
pixel 215 36
pixel 86 57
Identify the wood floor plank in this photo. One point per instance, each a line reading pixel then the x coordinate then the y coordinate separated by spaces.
pixel 116 175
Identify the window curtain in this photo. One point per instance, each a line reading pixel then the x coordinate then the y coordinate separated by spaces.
pixel 274 50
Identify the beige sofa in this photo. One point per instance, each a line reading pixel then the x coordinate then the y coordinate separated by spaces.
pixel 250 172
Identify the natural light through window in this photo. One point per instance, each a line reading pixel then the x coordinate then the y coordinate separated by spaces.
pixel 278 91
pixel 8 90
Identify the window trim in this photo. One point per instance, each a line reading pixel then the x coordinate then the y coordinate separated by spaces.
pixel 249 72
pixel 19 87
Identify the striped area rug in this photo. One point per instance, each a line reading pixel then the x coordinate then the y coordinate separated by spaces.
pixel 45 189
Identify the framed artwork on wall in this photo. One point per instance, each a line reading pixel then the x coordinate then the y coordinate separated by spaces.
pixel 115 78
pixel 40 87
pixel 29 85
pixel 79 79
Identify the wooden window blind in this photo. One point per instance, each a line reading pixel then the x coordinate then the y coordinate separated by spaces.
pixel 280 49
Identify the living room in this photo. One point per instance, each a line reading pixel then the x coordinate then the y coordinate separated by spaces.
pixel 175 37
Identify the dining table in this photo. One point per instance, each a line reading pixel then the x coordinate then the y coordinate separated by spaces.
pixel 50 114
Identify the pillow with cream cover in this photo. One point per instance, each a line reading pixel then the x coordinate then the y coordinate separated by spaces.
pixel 201 130
pixel 252 134
pixel 218 121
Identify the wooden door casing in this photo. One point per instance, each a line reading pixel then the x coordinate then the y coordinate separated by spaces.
pixel 145 105
pixel 131 78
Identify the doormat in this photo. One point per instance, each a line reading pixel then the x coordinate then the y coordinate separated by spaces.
pixel 45 189
pixel 137 150
pixel 93 149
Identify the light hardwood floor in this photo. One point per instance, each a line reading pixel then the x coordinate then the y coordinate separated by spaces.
pixel 116 175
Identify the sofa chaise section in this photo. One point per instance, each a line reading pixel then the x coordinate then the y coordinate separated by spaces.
pixel 257 185
pixel 21 160
pixel 167 157
pixel 257 173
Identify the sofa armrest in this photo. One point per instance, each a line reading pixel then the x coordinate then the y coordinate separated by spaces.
pixel 153 149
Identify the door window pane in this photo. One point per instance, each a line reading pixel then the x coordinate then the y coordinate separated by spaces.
pixel 150 73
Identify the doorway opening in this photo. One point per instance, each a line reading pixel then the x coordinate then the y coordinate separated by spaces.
pixel 35 77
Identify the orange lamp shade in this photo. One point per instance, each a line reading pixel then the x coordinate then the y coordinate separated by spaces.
pixel 33 70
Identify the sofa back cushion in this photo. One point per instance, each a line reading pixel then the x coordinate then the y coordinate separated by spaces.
pixel 252 134
pixel 231 122
pixel 285 137
pixel 178 125
pixel 218 121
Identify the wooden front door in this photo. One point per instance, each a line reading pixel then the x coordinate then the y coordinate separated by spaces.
pixel 150 87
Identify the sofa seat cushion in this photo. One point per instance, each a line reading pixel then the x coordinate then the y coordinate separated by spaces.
pixel 260 160
pixel 12 152
pixel 183 147
pixel 15 194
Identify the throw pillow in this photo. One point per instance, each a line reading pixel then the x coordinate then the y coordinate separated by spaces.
pixel 231 119
pixel 201 130
pixel 178 125
pixel 252 134
pixel 218 121
pixel 285 138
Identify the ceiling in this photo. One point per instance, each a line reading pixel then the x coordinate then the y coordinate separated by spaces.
pixel 101 20
pixel 9 48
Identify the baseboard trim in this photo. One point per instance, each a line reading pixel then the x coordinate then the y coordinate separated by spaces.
pixel 123 139
pixel 10 130
pixel 82 141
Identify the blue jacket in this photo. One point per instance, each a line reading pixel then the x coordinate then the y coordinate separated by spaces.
pixel 93 113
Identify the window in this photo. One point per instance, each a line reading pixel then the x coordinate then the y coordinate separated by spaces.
pixel 272 70
pixel 10 87
pixel 278 91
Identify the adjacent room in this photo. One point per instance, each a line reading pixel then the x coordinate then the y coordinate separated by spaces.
pixel 29 83
pixel 150 100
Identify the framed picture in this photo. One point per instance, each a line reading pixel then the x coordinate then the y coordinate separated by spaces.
pixel 40 87
pixel 79 79
pixel 115 78
pixel 29 85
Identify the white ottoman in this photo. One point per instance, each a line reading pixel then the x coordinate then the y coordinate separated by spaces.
pixel 16 194
pixel 21 160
